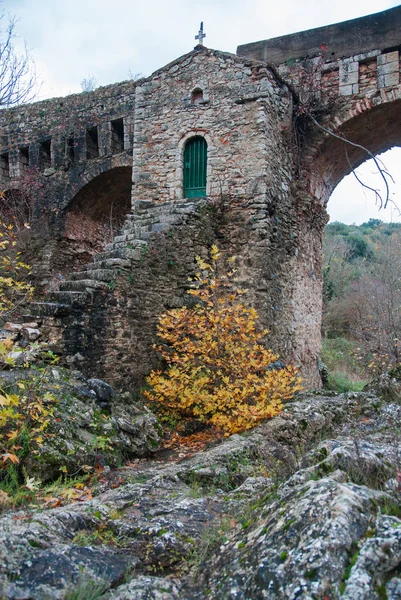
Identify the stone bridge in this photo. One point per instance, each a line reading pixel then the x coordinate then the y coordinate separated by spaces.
pixel 272 120
pixel 348 75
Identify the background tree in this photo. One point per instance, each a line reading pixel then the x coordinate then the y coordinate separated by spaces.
pixel 362 300
pixel 337 269
pixel 89 84
pixel 18 82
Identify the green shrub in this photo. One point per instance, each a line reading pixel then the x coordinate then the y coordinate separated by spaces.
pixel 346 374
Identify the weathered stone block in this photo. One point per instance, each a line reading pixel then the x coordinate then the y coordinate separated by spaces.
pixel 388 67
pixel 346 90
pixel 388 57
pixel 390 80
pixel 349 73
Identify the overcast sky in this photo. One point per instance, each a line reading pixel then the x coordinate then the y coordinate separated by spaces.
pixel 113 40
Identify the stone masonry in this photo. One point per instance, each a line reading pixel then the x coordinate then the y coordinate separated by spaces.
pixel 118 153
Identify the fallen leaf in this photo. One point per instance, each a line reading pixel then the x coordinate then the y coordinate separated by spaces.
pixel 8 456
pixel 32 484
pixel 52 502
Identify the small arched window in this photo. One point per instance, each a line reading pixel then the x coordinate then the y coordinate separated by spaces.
pixel 197 96
pixel 195 166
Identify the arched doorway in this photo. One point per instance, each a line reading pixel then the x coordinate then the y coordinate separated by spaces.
pixel 195 167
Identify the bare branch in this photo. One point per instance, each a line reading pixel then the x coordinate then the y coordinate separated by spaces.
pixel 380 167
pixel 384 173
pixel 17 71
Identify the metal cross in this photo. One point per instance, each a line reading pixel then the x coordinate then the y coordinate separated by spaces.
pixel 200 35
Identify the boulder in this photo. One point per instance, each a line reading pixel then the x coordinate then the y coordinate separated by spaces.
pixel 30 334
pixel 103 391
pixel 14 327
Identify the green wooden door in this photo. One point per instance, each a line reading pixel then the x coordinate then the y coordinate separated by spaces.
pixel 195 164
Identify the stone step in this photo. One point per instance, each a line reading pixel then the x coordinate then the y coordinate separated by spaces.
pixel 131 236
pixel 130 244
pixel 142 233
pixel 115 245
pixel 49 309
pixel 160 226
pixel 71 298
pixel 142 205
pixel 108 263
pixel 83 285
pixel 166 208
pixel 94 274
pixel 141 236
pixel 150 223
pixel 148 208
pixel 125 237
pixel 116 254
pixel 121 249
pixel 145 236
pixel 135 232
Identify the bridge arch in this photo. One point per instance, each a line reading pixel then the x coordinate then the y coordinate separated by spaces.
pixel 376 128
pixel 96 212
pixel 325 161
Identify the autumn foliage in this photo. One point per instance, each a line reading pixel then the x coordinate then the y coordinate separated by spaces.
pixel 23 414
pixel 219 370
pixel 13 272
pixel 24 418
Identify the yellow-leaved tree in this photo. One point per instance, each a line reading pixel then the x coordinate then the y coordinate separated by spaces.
pixel 219 370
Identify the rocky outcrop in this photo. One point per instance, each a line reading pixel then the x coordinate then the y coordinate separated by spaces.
pixel 305 506
pixel 91 426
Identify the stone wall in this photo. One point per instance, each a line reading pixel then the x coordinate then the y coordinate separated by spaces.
pixel 51 152
pixel 62 126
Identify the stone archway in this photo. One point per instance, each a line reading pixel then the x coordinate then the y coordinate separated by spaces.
pixel 94 216
pixel 326 160
pixel 377 129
